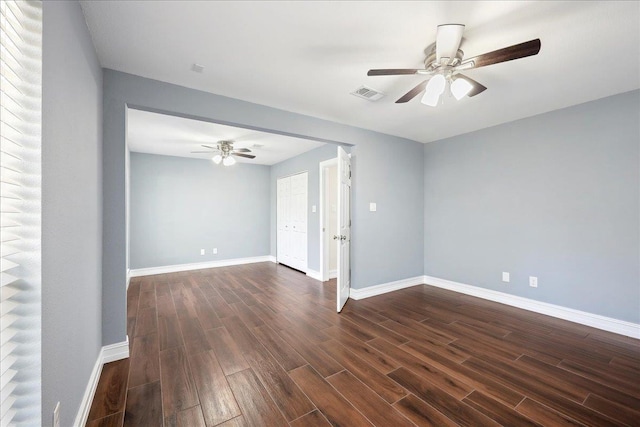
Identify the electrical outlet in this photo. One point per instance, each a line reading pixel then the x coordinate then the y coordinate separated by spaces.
pixel 201 251
pixel 215 251
pixel 533 281
pixel 56 415
pixel 505 276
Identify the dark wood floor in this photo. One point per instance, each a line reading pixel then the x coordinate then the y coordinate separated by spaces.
pixel 261 345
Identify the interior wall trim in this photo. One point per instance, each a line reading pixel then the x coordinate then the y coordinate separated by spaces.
pixel 582 317
pixel 314 274
pixel 108 353
pixel 383 288
pixel 199 265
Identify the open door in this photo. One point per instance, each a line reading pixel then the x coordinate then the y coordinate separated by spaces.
pixel 344 227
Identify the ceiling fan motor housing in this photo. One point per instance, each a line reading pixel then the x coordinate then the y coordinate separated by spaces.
pixel 431 64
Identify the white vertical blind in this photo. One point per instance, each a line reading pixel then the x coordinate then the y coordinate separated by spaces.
pixel 20 183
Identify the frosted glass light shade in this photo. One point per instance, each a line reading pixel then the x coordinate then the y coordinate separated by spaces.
pixel 434 89
pixel 217 159
pixel 229 161
pixel 460 88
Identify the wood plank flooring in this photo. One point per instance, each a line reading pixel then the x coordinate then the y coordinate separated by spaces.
pixel 261 345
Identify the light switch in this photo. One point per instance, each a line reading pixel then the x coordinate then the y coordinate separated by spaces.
pixel 313 208
pixel 372 207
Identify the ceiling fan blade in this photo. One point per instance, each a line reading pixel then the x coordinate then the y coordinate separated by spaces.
pixel 208 152
pixel 412 93
pixel 248 156
pixel 208 146
pixel 392 71
pixel 448 41
pixel 477 87
pixel 241 150
pixel 517 51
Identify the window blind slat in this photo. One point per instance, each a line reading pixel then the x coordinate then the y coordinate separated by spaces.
pixel 10 389
pixel 6 264
pixel 7 321
pixel 5 407
pixel 7 307
pixel 7 279
pixel 7 349
pixel 6 377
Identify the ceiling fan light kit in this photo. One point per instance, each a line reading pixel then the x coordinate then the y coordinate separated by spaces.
pixel 445 62
pixel 460 88
pixel 434 89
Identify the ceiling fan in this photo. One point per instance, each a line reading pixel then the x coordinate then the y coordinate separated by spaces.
pixel 445 62
pixel 224 153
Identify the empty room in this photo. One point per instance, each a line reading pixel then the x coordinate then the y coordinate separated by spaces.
pixel 320 213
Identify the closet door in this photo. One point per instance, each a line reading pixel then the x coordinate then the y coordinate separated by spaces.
pixel 283 218
pixel 292 221
pixel 299 220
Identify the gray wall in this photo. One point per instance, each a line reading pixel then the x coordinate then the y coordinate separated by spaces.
pixel 389 242
pixel 71 209
pixel 398 184
pixel 554 196
pixel 180 205
pixel 305 162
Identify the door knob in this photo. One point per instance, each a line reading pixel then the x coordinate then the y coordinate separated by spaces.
pixel 343 237
pixel 335 237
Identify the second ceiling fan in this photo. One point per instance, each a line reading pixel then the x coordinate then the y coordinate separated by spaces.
pixel 224 152
pixel 445 62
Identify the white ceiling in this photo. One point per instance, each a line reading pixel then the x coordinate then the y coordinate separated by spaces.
pixel 306 57
pixel 176 136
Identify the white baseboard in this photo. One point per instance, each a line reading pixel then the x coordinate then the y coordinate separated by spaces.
pixel 117 351
pixel 589 319
pixel 582 317
pixel 108 353
pixel 199 265
pixel 128 277
pixel 333 274
pixel 385 287
pixel 314 274
pixel 273 259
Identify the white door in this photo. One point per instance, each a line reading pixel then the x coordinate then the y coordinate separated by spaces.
pixel 291 221
pixel 344 227
pixel 298 227
pixel 283 219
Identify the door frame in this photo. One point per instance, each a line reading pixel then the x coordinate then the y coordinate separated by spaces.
pixel 324 249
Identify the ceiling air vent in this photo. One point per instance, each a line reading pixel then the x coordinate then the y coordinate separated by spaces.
pixel 367 93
